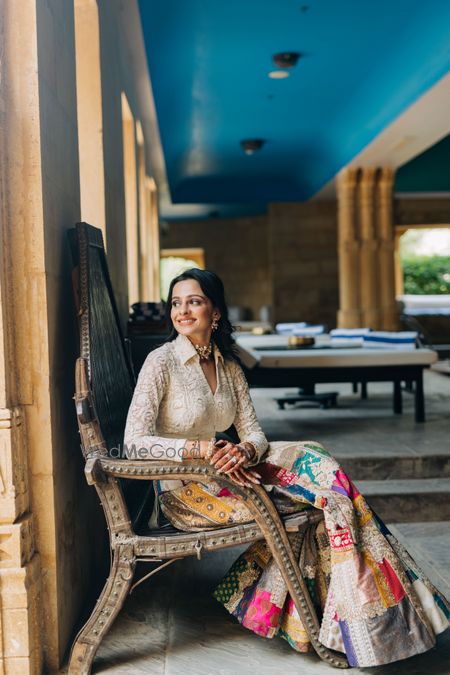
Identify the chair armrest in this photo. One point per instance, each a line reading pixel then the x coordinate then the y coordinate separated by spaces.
pixel 99 467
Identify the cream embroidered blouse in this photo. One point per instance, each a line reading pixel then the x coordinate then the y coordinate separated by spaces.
pixel 173 403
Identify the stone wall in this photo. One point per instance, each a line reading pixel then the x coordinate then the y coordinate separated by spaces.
pixel 286 259
pixel 413 211
pixel 236 249
pixel 303 262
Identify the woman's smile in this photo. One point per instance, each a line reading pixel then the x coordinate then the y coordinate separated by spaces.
pixel 192 311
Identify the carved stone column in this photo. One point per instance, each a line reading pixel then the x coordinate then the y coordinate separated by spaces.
pixel 349 315
pixel 386 265
pixel 20 570
pixel 368 272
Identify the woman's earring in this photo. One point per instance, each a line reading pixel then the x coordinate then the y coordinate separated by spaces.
pixel 215 324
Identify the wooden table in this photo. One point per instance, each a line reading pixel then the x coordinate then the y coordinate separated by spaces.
pixel 269 362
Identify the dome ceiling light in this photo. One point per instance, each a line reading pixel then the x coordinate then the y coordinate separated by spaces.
pixel 252 145
pixel 283 61
pixel 286 59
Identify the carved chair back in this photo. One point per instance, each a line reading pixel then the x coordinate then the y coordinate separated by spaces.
pixel 102 345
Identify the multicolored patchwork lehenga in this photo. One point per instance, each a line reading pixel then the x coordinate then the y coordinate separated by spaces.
pixel 373 601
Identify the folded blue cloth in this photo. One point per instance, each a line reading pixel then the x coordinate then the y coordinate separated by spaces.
pixel 402 340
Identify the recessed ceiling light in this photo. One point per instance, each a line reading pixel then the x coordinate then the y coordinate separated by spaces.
pixel 278 74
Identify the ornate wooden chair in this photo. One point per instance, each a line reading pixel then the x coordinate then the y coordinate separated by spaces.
pixel 104 387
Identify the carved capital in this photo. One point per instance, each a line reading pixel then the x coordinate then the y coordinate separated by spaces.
pixel 347 179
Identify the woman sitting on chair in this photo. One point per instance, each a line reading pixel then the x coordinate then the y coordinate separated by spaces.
pixel 373 601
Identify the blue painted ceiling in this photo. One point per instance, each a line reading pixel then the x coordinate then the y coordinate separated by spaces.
pixel 362 64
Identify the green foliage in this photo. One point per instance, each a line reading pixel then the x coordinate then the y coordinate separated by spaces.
pixel 426 275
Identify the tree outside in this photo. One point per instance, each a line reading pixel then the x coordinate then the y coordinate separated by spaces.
pixel 425 259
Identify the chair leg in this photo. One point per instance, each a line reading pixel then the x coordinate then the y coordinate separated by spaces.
pixel 276 537
pixel 105 611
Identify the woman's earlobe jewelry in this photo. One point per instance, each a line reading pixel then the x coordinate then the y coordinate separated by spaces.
pixel 215 324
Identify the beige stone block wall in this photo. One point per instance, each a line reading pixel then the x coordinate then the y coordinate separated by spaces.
pixel 303 262
pixel 287 259
pixel 413 211
pixel 236 249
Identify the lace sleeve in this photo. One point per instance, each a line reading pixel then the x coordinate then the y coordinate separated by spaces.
pixel 140 440
pixel 245 421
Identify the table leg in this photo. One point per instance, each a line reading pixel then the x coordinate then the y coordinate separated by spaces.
pixel 363 390
pixel 355 387
pixel 409 386
pixel 398 404
pixel 419 400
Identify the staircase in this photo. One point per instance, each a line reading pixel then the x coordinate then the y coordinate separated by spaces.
pixel 402 489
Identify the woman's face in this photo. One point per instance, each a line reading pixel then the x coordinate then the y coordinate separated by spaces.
pixel 191 311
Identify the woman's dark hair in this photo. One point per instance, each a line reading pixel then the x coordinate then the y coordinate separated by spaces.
pixel 212 286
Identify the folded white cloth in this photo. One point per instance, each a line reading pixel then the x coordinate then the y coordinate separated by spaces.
pixel 351 336
pixel 349 333
pixel 287 328
pixel 299 329
pixel 402 340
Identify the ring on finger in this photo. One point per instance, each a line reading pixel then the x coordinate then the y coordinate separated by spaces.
pixel 233 461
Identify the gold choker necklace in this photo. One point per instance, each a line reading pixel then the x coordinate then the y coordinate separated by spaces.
pixel 204 351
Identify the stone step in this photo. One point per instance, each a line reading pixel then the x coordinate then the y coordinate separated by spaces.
pixel 406 501
pixel 389 467
pixel 429 545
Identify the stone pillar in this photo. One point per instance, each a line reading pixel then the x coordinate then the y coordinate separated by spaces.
pixel 349 315
pixel 20 569
pixel 368 272
pixel 386 265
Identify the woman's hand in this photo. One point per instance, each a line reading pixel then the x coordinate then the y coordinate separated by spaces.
pixel 245 477
pixel 231 459
pixel 227 456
